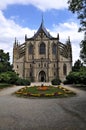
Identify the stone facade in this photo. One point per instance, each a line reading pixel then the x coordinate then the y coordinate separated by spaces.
pixel 42 57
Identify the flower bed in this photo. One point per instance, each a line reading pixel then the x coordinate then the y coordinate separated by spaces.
pixel 43 88
pixel 44 91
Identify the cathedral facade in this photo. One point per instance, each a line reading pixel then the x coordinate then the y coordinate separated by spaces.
pixel 42 57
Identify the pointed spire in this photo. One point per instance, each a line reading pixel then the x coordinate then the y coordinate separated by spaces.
pixel 15 41
pixel 42 23
pixel 58 36
pixel 68 40
pixel 85 36
pixel 25 37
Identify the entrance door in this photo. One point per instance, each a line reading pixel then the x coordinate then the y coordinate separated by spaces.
pixel 42 76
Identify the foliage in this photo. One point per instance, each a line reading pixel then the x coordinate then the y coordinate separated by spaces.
pixel 83 50
pixel 12 78
pixel 22 82
pixel 4 57
pixel 8 77
pixel 73 77
pixel 79 7
pixel 77 65
pixel 78 77
pixel 56 81
pixel 4 62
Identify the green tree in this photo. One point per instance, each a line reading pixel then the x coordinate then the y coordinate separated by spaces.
pixel 79 7
pixel 4 62
pixel 7 75
pixel 83 50
pixel 77 65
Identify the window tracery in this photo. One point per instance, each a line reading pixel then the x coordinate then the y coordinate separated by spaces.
pixel 42 48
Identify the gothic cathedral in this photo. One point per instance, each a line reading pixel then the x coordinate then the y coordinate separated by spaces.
pixel 42 57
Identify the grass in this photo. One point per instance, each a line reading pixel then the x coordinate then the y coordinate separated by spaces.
pixel 51 92
pixel 4 85
pixel 51 89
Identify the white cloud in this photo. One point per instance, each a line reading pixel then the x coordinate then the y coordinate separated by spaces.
pixel 41 4
pixel 9 30
pixel 69 29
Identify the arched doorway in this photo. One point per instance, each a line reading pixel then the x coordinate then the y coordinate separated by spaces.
pixel 42 76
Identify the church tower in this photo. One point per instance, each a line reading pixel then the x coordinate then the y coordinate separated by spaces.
pixel 15 51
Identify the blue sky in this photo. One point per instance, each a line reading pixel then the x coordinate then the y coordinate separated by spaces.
pixel 24 17
pixel 30 16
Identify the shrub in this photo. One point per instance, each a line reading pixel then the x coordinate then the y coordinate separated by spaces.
pixel 8 77
pixel 56 81
pixel 76 78
pixel 21 81
pixel 12 78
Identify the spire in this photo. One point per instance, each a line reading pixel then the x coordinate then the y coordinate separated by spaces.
pixel 68 40
pixel 42 29
pixel 15 41
pixel 42 23
pixel 58 36
pixel 85 36
pixel 25 37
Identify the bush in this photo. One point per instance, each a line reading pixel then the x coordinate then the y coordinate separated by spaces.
pixel 56 82
pixel 22 82
pixel 12 78
pixel 76 78
pixel 8 77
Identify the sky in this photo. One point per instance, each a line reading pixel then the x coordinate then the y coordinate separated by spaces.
pixel 20 17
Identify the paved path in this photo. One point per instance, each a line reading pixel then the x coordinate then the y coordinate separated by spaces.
pixel 42 114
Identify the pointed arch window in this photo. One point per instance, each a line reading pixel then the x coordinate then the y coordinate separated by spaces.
pixel 54 49
pixel 42 48
pixel 31 49
pixel 65 69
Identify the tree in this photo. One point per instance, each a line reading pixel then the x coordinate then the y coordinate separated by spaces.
pixel 77 65
pixel 4 62
pixel 79 7
pixel 78 77
pixel 4 57
pixel 83 50
pixel 7 75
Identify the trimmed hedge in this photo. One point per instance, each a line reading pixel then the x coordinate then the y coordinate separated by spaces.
pixel 56 82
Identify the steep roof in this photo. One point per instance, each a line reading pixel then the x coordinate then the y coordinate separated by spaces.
pixel 43 29
pixel 40 30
